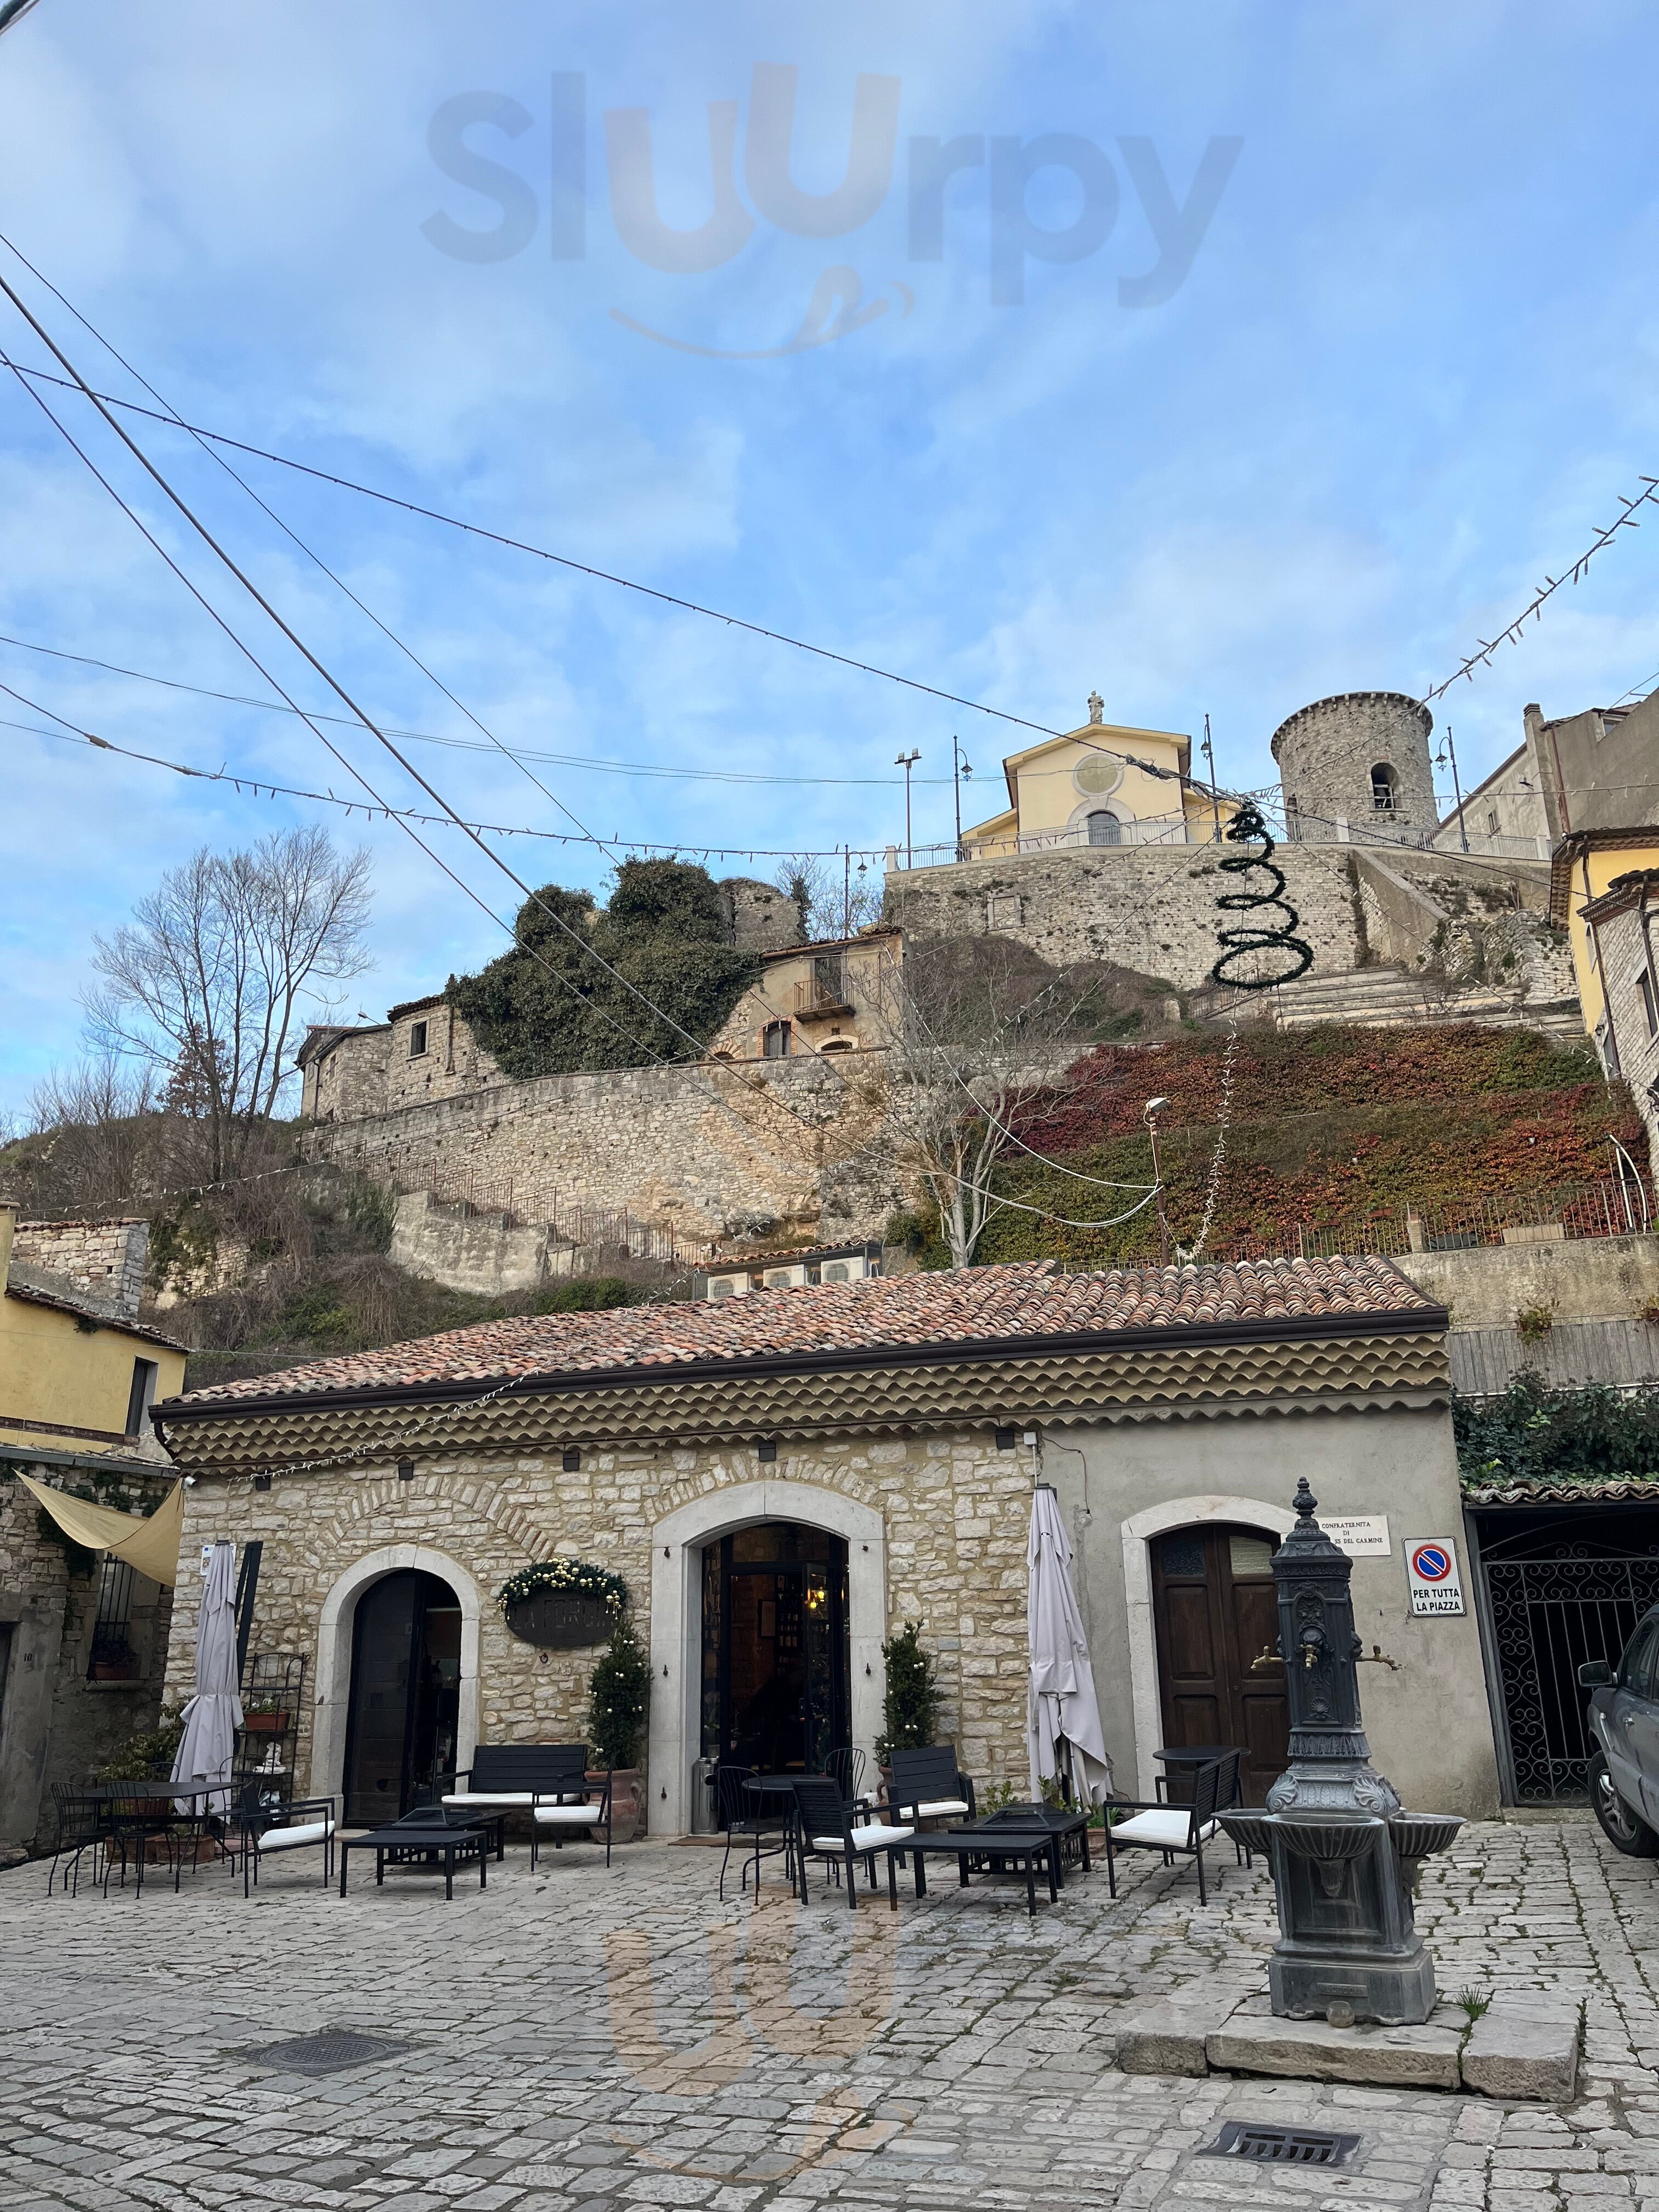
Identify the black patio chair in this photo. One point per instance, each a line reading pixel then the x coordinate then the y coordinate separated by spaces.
pixel 578 1809
pixel 749 1820
pixel 1229 1792
pixel 132 1824
pixel 828 1827
pixel 1176 1831
pixel 845 1767
pixel 81 1827
pixel 257 1831
pixel 928 1786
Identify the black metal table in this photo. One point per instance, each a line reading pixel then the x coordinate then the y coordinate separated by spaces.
pixel 768 1790
pixel 1067 1824
pixel 407 1841
pixel 1024 1846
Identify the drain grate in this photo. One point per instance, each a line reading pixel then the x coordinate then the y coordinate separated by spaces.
pixel 330 2052
pixel 1274 2146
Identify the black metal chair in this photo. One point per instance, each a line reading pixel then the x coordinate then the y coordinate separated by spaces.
pixel 1229 1792
pixel 845 1767
pixel 828 1828
pixel 257 1831
pixel 1176 1831
pixel 928 1786
pixel 744 1818
pixel 134 1824
pixel 81 1827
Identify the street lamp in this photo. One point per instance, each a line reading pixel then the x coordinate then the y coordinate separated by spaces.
pixel 960 766
pixel 907 762
pixel 1149 1113
pixel 1440 759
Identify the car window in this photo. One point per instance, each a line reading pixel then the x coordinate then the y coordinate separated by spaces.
pixel 1636 1667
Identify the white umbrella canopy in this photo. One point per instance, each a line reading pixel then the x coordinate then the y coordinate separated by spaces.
pixel 215 1713
pixel 1062 1708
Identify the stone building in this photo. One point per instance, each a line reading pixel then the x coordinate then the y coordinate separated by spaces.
pixel 783 1480
pixel 1620 925
pixel 82 1641
pixel 1358 766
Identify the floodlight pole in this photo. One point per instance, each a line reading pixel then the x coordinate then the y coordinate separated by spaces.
pixel 907 762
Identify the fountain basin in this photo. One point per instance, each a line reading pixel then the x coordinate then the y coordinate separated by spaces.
pixel 1419 1835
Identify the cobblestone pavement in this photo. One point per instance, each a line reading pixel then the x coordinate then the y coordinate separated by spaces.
pixel 575 2040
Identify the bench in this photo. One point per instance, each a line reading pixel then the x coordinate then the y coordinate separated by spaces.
pixel 509 1777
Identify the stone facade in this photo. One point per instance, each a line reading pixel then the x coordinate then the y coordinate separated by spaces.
pixel 57 1725
pixel 1338 758
pixel 955 1511
pixel 1621 924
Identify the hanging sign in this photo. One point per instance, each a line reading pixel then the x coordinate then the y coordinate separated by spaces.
pixel 1361 1535
pixel 1432 1578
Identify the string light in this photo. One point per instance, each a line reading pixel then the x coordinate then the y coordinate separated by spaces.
pixel 1246 827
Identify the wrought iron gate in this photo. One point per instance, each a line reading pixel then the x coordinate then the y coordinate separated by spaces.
pixel 1549 1615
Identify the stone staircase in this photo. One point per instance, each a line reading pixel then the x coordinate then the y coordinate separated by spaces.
pixel 1388 997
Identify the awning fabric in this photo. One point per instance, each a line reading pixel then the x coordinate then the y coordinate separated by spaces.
pixel 151 1546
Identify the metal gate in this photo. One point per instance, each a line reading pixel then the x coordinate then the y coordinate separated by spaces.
pixel 1549 1615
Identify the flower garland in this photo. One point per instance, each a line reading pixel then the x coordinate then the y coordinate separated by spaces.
pixel 565 1578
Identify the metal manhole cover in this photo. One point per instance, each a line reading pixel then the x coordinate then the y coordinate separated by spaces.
pixel 1276 2146
pixel 330 2052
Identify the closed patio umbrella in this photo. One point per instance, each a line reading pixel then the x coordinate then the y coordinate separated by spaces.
pixel 1062 1708
pixel 215 1713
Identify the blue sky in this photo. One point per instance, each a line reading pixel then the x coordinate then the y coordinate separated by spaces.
pixel 1409 367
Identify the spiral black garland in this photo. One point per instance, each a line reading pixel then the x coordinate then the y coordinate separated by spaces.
pixel 1245 828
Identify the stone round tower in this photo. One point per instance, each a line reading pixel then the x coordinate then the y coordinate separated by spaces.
pixel 1362 759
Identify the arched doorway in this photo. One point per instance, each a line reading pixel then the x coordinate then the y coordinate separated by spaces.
pixel 1214 1614
pixel 777 1659
pixel 404 1706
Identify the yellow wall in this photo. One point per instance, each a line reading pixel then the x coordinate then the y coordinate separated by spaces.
pixel 785 980
pixel 53 1370
pixel 1592 874
pixel 1047 802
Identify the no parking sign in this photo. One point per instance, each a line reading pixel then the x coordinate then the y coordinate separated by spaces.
pixel 1432 1574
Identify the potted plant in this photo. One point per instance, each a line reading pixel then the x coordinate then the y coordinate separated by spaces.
pixel 563 1605
pixel 265 1717
pixel 621 1695
pixel 910 1707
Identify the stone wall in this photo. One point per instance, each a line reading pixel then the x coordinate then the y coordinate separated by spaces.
pixel 709 1148
pixel 955 1511
pixel 1153 908
pixel 56 1726
pixel 1327 751
pixel 105 1259
pixel 1588 1278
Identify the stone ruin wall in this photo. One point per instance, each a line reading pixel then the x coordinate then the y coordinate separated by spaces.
pixel 103 1258
pixel 709 1150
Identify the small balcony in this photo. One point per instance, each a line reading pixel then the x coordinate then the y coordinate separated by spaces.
pixel 823 994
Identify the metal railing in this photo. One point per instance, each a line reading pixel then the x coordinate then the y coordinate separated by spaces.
pixel 1563 1216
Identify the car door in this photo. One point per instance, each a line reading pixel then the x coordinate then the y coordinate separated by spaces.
pixel 1630 1703
pixel 1640 1727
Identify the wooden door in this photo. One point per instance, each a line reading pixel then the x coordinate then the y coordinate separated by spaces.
pixel 1214 1610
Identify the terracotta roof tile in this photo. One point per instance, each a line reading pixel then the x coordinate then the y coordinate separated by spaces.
pixel 888 1312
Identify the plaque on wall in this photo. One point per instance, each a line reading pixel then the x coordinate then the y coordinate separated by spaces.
pixel 558 1622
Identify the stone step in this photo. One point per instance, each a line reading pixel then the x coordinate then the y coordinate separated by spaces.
pixel 1387 998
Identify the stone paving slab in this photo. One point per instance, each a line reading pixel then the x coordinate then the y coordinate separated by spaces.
pixel 586 2041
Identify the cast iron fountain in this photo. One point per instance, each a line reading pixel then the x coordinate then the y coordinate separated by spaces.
pixel 1344 1852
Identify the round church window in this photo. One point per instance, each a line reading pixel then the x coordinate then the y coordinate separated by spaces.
pixel 1097 774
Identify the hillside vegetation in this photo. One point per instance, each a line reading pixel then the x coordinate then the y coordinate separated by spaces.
pixel 1329 1128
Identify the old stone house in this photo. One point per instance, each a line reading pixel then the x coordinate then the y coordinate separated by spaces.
pixel 1618 929
pixel 783 1480
pixel 82 1640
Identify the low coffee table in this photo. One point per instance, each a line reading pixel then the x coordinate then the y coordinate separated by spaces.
pixel 1067 1824
pixel 415 1838
pixel 1024 1846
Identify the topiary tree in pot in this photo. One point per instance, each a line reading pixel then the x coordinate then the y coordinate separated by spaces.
pixel 910 1709
pixel 620 1690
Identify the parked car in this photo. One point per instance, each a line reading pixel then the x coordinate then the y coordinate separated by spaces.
pixel 1624 1728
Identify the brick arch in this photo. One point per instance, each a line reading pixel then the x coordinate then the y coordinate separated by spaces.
pixel 373 1498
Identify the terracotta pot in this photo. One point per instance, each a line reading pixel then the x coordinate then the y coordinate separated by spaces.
pixel 266 1724
pixel 627 1802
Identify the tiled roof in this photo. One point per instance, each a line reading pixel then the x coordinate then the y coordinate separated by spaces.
pixel 896 1312
pixel 66 1298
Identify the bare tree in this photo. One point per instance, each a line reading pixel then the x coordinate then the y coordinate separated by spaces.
pixel 977 1030
pixel 834 899
pixel 202 989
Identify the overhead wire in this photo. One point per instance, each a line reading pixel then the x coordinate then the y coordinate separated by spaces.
pixel 366 722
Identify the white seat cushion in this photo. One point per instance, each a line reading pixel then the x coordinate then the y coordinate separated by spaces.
pixel 501 1797
pixel 941 1809
pixel 872 1837
pixel 1170 1831
pixel 289 1839
pixel 569 1816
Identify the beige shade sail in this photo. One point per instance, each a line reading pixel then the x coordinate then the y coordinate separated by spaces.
pixel 151 1546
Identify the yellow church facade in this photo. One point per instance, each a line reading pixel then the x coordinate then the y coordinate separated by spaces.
pixel 1103 783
